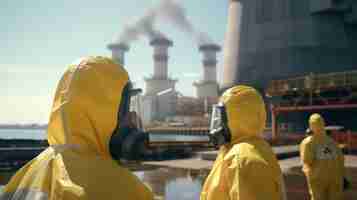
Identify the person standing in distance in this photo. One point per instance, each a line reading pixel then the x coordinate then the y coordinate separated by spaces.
pixel 323 162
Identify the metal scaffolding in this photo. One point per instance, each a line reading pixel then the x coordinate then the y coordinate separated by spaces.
pixel 314 92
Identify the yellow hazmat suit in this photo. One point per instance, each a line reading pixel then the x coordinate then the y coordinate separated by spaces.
pixel 247 168
pixel 323 162
pixel 78 164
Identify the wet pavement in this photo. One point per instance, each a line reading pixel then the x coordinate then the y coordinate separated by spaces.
pixel 296 182
pixel 174 184
pixel 188 164
pixel 183 179
pixel 281 152
pixel 190 173
pixel 294 178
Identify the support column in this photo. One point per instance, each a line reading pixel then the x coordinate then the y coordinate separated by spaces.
pixel 274 123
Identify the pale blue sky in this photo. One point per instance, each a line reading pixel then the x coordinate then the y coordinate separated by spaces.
pixel 39 38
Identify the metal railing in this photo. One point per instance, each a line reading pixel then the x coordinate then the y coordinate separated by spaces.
pixel 309 82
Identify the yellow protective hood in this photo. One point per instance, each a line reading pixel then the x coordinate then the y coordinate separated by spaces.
pixel 245 110
pixel 317 124
pixel 86 104
pixel 78 164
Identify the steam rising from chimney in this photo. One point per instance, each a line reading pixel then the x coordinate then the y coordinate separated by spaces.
pixel 174 13
pixel 170 11
pixel 144 26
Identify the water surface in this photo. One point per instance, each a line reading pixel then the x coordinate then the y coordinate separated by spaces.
pixel 36 134
pixel 166 183
pixel 174 184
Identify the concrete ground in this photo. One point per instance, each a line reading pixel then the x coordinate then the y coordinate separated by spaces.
pixel 281 152
pixel 296 182
pixel 294 178
pixel 291 167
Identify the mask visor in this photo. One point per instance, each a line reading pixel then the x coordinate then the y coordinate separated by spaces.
pixel 216 118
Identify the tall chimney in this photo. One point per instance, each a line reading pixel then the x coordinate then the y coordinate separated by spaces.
pixel 231 45
pixel 161 57
pixel 209 61
pixel 208 86
pixel 160 88
pixel 118 52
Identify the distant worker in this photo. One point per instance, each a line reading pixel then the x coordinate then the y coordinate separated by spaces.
pixel 323 162
pixel 90 107
pixel 246 167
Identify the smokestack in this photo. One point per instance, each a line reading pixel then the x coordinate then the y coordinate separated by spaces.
pixel 208 87
pixel 161 57
pixel 231 45
pixel 118 52
pixel 209 61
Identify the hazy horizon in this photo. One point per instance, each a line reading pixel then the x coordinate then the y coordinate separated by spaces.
pixel 42 38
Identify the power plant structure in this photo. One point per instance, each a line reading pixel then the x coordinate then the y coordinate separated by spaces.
pixel 161 101
pixel 284 38
pixel 160 80
pixel 299 54
pixel 160 89
pixel 208 86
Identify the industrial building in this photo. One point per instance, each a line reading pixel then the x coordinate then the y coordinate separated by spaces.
pixel 285 38
pixel 161 101
pixel 160 96
pixel 160 89
pixel 269 42
pixel 334 95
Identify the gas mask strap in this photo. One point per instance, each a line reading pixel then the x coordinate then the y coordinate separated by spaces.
pixel 120 132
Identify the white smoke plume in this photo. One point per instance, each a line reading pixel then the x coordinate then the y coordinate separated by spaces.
pixel 144 26
pixel 169 11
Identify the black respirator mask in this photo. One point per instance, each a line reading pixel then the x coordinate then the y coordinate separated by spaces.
pixel 219 131
pixel 127 141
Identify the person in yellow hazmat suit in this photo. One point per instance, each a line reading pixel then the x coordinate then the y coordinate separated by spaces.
pixel 91 101
pixel 246 167
pixel 323 162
